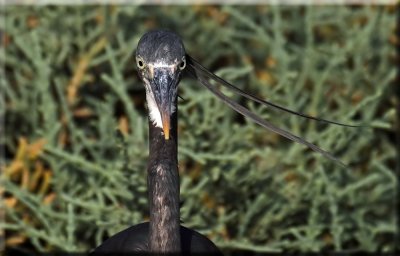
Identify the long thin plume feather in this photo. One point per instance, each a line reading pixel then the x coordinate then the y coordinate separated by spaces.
pixel 247 113
pixel 198 67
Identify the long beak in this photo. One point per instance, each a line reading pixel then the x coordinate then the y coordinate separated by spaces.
pixel 164 87
pixel 166 123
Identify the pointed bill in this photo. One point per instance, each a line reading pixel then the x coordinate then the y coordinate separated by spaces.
pixel 164 88
pixel 166 120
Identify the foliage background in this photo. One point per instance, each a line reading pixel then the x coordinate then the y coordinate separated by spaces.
pixel 75 144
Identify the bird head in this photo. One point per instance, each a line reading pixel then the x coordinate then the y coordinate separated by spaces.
pixel 160 59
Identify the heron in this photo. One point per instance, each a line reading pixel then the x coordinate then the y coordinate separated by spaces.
pixel 161 61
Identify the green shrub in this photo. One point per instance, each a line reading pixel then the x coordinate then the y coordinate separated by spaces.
pixel 75 144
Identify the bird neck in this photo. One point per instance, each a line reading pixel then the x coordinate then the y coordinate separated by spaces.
pixel 163 186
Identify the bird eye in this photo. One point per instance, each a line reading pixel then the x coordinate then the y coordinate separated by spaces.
pixel 139 62
pixel 182 65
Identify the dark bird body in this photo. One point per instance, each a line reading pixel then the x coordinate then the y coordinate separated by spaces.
pixel 135 240
pixel 161 58
pixel 164 232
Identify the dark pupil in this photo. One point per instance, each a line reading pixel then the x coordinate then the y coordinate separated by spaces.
pixel 182 64
pixel 140 63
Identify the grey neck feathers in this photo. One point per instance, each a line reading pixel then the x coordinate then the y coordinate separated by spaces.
pixel 163 186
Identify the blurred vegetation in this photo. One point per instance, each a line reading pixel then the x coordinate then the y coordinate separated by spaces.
pixel 75 144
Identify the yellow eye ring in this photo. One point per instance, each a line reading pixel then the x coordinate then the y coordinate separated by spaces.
pixel 140 62
pixel 182 65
